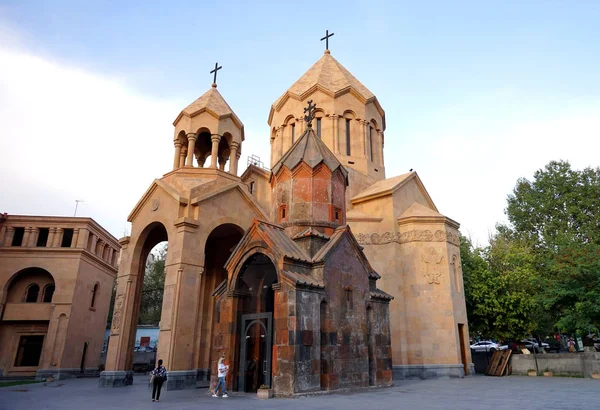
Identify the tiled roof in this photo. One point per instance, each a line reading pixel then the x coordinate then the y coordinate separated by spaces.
pixel 213 101
pixel 312 150
pixel 380 294
pixel 282 242
pixel 329 74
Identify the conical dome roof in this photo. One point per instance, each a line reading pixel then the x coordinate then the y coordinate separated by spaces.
pixel 312 150
pixel 328 74
pixel 213 102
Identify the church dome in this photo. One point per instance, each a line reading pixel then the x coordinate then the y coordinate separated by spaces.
pixel 330 76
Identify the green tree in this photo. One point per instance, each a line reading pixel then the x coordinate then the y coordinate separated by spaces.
pixel 153 288
pixel 499 288
pixel 558 213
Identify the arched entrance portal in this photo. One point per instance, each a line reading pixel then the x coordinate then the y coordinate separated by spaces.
pixel 256 279
pixel 219 244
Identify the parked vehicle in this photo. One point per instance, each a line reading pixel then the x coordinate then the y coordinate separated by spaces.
pixel 485 346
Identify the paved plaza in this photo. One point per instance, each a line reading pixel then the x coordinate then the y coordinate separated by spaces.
pixel 479 392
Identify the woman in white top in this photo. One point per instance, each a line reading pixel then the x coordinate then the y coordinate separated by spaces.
pixel 222 372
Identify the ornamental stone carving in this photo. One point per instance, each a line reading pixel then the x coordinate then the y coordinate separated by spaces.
pixel 417 235
pixel 116 322
pixel 433 267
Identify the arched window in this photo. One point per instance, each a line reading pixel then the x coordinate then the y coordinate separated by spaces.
pixel 94 294
pixel 48 294
pixel 32 293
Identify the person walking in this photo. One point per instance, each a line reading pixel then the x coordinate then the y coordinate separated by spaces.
pixel 159 376
pixel 222 370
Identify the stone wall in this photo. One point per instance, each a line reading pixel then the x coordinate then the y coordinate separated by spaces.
pixel 564 364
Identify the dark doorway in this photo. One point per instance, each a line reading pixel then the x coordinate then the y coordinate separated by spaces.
pixel 256 280
pixel 255 352
pixel 29 351
pixel 463 347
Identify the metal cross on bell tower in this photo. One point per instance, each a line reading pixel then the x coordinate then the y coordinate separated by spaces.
pixel 309 113
pixel 217 68
pixel 326 38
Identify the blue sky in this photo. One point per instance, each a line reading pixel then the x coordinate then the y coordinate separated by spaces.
pixel 476 93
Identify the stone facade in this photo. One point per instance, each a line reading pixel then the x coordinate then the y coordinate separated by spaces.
pixel 253 255
pixel 56 277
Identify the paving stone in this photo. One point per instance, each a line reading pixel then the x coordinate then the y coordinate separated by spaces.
pixel 478 392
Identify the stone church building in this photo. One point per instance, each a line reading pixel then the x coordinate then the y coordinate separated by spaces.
pixel 318 274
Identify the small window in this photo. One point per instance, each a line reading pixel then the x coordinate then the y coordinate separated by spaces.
pixel 32 293
pixel 348 298
pixel 337 215
pixel 29 351
pixel 94 294
pixel 18 237
pixel 252 187
pixel 282 212
pixel 67 238
pixel 348 136
pixel 48 294
pixel 293 133
pixel 319 127
pixel 42 240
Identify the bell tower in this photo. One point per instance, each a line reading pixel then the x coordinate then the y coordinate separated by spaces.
pixel 350 121
pixel 208 128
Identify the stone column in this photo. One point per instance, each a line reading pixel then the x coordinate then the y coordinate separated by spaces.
pixel 10 233
pixel 215 139
pixel 336 144
pixel 201 160
pixel 94 243
pixel 25 241
pixel 190 150
pixel 302 125
pixel 51 235
pixel 380 147
pixel 233 157
pixel 182 157
pixel 176 158
pixel 2 235
pixel 365 138
pixel 109 255
pixel 58 238
pixel 33 237
pixel 75 238
pixel 280 137
pixel 222 162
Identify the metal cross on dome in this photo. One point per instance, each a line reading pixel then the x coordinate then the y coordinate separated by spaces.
pixel 309 113
pixel 326 38
pixel 217 68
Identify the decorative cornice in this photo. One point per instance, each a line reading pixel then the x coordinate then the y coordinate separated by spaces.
pixel 416 235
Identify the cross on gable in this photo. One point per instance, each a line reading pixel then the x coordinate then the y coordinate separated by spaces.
pixel 310 113
pixel 326 38
pixel 217 68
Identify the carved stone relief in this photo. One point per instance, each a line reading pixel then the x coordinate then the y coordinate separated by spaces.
pixel 116 321
pixel 410 236
pixel 433 267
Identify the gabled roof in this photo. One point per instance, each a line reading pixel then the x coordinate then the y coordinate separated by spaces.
pixel 312 150
pixel 340 233
pixel 308 232
pixel 213 102
pixel 389 186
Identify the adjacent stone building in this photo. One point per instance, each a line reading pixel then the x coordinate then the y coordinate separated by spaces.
pixel 56 277
pixel 277 269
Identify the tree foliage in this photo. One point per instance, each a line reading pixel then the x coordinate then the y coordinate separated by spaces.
pixel 153 288
pixel 542 271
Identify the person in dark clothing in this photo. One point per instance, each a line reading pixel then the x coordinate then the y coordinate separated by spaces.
pixel 159 375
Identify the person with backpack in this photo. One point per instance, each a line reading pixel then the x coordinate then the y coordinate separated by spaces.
pixel 159 376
